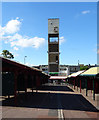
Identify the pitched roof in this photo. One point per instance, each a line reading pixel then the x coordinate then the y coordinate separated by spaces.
pixel 19 65
pixel 91 72
pixel 76 74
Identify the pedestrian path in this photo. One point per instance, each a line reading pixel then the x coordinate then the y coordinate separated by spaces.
pixel 50 103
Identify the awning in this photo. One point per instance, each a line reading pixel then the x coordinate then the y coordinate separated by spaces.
pixel 58 77
pixel 53 73
pixel 91 72
pixel 76 74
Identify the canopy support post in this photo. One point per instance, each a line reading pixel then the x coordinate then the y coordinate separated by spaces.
pixel 86 87
pixel 93 89
pixel 80 85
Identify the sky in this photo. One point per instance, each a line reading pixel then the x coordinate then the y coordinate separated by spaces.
pixel 24 31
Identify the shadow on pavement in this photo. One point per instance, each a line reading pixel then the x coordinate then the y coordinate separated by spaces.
pixel 52 101
pixel 55 88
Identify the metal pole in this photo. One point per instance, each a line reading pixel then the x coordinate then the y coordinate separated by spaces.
pixel 24 59
pixel 80 85
pixel 93 90
pixel 77 84
pixel 15 87
pixel 86 87
pixel 26 77
pixel 32 83
pixel 74 83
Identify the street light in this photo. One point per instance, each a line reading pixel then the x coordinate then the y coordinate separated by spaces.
pixel 78 62
pixel 24 59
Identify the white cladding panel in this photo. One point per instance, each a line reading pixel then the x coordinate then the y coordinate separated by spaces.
pixel 53 26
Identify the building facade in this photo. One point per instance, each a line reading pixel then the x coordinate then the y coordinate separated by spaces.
pixel 64 70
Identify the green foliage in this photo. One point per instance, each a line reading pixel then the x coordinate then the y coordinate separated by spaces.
pixel 83 67
pixel 7 54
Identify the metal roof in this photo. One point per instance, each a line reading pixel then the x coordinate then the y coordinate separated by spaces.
pixel 58 77
pixel 76 74
pixel 91 72
pixel 17 64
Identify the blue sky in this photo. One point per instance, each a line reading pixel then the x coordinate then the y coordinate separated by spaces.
pixel 25 31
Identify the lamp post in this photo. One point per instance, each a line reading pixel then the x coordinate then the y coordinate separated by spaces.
pixel 78 62
pixel 24 59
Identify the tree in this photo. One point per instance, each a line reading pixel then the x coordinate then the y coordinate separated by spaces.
pixel 7 54
pixel 83 67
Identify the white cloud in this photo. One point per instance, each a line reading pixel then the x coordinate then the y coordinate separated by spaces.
pixel 15 37
pixel 15 48
pixel 25 41
pixel 11 27
pixel 61 40
pixel 5 38
pixel 9 33
pixel 85 12
pixel 17 18
pixel 6 42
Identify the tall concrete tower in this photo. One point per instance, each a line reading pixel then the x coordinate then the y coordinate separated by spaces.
pixel 53 46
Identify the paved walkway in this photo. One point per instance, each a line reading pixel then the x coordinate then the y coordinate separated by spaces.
pixel 57 102
pixel 89 96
